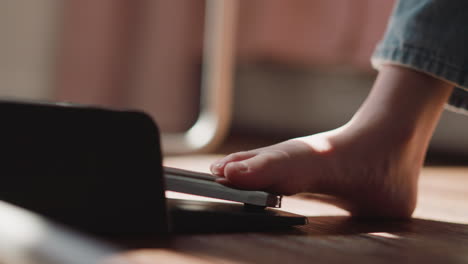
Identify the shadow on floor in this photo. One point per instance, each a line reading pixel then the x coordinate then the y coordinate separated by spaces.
pixel 331 239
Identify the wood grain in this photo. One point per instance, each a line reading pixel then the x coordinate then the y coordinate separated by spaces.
pixel 437 233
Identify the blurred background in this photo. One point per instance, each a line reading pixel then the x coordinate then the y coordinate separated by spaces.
pixel 301 66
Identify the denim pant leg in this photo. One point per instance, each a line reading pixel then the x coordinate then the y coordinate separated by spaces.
pixel 430 36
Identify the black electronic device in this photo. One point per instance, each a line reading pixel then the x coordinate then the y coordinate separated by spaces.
pixel 100 171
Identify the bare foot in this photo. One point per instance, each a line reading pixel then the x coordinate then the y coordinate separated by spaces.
pixel 371 164
pixel 367 172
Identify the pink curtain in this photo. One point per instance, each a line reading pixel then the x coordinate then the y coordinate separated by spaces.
pixel 323 33
pixel 146 54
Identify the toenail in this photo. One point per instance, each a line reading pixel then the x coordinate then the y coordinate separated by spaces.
pixel 216 169
pixel 241 167
pixel 222 180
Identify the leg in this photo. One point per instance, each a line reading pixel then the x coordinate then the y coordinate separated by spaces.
pixel 371 163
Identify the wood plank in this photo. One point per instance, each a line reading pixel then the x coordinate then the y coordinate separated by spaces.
pixel 437 233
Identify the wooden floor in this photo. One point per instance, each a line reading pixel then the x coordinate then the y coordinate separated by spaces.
pixel 438 233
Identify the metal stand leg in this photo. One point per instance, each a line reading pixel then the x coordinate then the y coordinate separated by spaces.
pixel 216 89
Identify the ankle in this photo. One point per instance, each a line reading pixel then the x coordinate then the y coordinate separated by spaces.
pixel 402 104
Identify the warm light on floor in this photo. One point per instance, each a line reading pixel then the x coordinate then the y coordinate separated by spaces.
pixel 385 235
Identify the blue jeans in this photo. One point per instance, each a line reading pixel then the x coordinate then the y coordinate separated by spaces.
pixel 430 36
